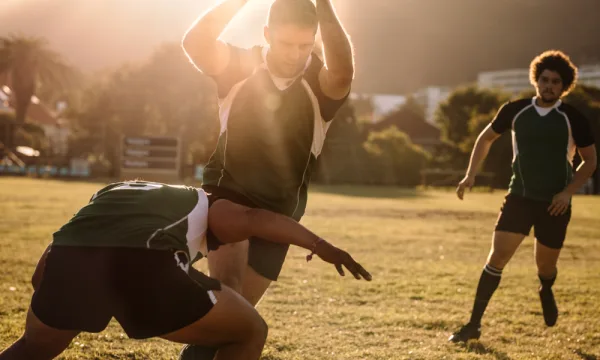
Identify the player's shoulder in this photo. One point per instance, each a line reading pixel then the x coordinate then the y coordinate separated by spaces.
pixel 515 106
pixel 570 110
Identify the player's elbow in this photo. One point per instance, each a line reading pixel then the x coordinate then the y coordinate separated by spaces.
pixel 487 136
pixel 187 46
pixel 342 79
pixel 186 42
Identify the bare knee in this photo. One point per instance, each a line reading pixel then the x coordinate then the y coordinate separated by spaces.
pixel 546 268
pixel 254 286
pixel 498 259
pixel 233 280
pixel 260 331
pixel 504 245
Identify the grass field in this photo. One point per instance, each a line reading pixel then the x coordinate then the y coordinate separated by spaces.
pixel 424 249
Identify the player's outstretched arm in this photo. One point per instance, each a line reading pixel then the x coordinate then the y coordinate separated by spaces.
pixel 480 151
pixel 336 77
pixel 201 42
pixel 232 222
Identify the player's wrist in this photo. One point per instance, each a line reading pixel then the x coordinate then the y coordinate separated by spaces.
pixel 313 248
pixel 569 191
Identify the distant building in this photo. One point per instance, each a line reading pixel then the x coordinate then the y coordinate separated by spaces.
pixel 379 105
pixel 430 98
pixel 3 100
pixel 516 81
pixel 590 75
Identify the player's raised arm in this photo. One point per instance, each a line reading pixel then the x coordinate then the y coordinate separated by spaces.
pixel 336 77
pixel 231 222
pixel 201 42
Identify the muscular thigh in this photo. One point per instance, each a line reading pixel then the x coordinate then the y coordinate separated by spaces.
pixel 254 286
pixel 504 245
pixel 230 266
pixel 228 263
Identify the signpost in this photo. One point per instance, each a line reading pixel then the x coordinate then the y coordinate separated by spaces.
pixel 150 158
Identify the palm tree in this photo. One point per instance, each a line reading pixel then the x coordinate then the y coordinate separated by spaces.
pixel 28 63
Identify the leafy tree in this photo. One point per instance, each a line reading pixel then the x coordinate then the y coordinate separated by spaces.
pixel 394 159
pixel 453 115
pixel 165 96
pixel 30 63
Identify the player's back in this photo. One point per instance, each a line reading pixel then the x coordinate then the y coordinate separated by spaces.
pixel 137 214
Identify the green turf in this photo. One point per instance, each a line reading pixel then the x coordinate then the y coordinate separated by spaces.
pixel 424 249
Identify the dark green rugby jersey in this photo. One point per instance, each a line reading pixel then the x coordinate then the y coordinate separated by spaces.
pixel 544 143
pixel 141 215
pixel 272 131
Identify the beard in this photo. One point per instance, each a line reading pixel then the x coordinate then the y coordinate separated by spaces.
pixel 549 98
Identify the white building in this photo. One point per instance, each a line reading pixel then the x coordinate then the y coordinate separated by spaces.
pixel 383 104
pixel 4 98
pixel 590 75
pixel 515 81
pixel 380 104
pixel 430 98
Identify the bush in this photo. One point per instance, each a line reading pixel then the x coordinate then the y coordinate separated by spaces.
pixel 393 159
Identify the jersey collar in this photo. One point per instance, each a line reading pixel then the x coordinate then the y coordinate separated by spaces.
pixel 543 111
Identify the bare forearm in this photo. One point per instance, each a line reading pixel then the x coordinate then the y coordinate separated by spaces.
pixel 209 26
pixel 585 170
pixel 478 155
pixel 336 44
pixel 279 228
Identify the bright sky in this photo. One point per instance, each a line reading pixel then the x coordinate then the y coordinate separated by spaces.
pixel 86 30
pixel 167 14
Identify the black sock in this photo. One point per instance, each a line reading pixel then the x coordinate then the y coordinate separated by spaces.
pixel 547 282
pixel 196 352
pixel 488 283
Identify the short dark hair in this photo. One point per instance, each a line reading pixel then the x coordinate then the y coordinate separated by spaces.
pixel 554 60
pixel 298 12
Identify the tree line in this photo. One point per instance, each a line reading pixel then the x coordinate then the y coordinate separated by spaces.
pixel 166 96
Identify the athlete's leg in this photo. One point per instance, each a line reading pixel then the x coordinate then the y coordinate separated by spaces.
pixel 39 341
pixel 514 224
pixel 504 245
pixel 550 233
pixel 229 263
pixel 232 325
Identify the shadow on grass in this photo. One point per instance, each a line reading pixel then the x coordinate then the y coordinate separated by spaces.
pixel 479 348
pixel 585 356
pixel 386 192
